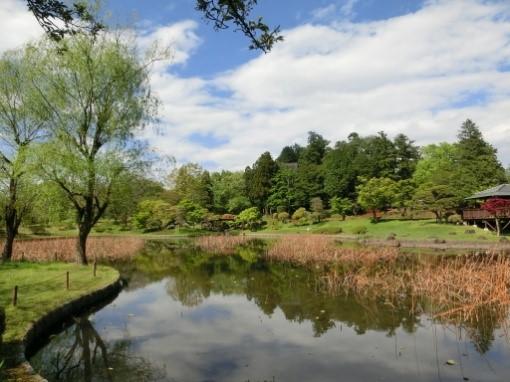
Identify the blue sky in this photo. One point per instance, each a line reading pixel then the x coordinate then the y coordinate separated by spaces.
pixel 403 66
pixel 225 50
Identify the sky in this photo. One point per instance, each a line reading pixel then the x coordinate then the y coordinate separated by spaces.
pixel 402 66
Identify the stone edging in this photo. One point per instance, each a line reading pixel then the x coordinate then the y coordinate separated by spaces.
pixel 39 329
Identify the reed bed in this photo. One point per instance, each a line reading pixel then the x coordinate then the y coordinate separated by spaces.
pixel 458 288
pixel 221 245
pixel 467 287
pixel 64 249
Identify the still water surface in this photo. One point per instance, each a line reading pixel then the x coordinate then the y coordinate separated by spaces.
pixel 192 317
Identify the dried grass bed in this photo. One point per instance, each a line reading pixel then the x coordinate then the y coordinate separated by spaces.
pixel 458 288
pixel 64 249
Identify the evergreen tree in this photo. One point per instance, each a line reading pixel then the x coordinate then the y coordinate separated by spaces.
pixel 407 156
pixel 476 160
pixel 258 180
pixel 290 154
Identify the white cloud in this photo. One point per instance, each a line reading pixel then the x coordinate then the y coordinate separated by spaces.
pixel 407 74
pixel 180 38
pixel 17 24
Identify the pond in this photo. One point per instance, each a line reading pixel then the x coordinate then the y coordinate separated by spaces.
pixel 190 316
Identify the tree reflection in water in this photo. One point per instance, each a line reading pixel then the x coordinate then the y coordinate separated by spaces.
pixel 80 354
pixel 191 277
pixel 296 291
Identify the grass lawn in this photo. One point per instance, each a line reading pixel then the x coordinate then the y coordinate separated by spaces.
pixel 426 229
pixel 42 288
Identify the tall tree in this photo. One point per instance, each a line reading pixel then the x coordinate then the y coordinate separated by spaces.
pixel 228 190
pixel 98 92
pixel 258 180
pixel 476 160
pixel 23 120
pixel 316 149
pixel 193 183
pixel 377 194
pixel 407 156
pixel 290 154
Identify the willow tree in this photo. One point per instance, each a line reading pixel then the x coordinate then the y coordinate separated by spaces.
pixel 97 89
pixel 23 120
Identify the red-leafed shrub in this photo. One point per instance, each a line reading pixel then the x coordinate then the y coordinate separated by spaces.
pixel 497 206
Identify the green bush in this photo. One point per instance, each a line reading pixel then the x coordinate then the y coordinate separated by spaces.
pixel 455 219
pixel 299 213
pixel 359 230
pixel 283 217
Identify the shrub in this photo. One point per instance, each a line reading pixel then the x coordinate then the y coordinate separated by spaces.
pixel 359 230
pixel 299 213
pixel 249 218
pixel 455 219
pixel 283 217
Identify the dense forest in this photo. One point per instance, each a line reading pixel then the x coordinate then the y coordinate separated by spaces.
pixel 360 174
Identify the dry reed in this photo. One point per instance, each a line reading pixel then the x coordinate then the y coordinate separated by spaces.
pixel 458 288
pixel 64 249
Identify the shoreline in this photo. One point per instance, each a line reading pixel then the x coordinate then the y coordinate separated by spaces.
pixel 20 369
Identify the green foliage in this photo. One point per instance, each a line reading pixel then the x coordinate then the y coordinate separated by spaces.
pixel 228 191
pixel 477 164
pixel 284 191
pixel 192 213
pixel 259 180
pixel 97 89
pixel 341 206
pixel 290 154
pixel 441 199
pixel 193 183
pixel 237 12
pixel 299 213
pixel 154 215
pixel 283 217
pixel 377 194
pixel 250 218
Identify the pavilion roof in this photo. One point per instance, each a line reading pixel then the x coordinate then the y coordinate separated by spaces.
pixel 501 190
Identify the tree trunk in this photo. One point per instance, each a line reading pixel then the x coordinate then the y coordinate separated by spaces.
pixel 9 243
pixel 374 215
pixel 12 221
pixel 498 227
pixel 81 245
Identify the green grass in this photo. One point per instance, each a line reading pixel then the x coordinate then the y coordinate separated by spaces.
pixel 42 288
pixel 426 229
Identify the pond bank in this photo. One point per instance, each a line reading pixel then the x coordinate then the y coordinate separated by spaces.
pixel 44 305
pixel 397 242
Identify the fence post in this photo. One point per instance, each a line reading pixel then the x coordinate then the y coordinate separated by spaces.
pixel 67 280
pixel 95 268
pixel 15 296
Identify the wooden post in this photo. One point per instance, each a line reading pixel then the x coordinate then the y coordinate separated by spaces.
pixel 95 268
pixel 22 256
pixel 55 256
pixel 15 296
pixel 67 280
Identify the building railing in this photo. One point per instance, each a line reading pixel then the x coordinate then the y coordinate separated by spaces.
pixel 480 214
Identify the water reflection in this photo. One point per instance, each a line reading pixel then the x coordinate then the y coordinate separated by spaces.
pixel 190 316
